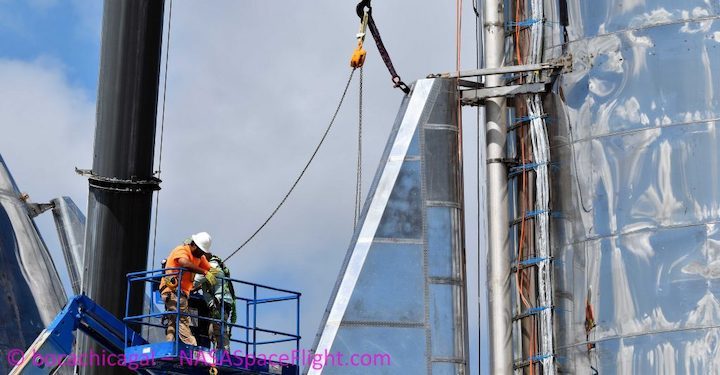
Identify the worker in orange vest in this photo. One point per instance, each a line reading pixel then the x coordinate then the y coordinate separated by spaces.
pixel 191 257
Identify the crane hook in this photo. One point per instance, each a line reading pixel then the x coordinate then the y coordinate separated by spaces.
pixel 360 8
pixel 358 57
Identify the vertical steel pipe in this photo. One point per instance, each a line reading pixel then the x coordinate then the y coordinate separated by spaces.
pixel 121 181
pixel 500 314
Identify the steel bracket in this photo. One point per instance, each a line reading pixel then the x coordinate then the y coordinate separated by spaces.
pixel 133 185
pixel 36 209
pixel 562 63
pixel 476 97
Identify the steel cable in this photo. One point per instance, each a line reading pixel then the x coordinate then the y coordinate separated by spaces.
pixel 358 181
pixel 162 133
pixel 302 173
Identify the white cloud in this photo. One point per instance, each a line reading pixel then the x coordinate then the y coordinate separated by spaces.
pixel 47 127
pixel 251 88
pixel 47 130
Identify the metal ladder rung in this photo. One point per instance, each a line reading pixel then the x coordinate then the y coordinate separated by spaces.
pixel 519 169
pixel 522 121
pixel 534 359
pixel 529 215
pixel 530 262
pixel 530 312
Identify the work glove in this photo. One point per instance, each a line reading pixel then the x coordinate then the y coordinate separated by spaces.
pixel 214 270
pixel 210 277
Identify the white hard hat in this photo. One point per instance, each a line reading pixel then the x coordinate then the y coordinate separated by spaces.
pixel 202 240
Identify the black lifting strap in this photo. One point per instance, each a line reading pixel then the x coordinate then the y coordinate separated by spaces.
pixel 360 10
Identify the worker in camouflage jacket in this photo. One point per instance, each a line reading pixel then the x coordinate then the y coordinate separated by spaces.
pixel 220 298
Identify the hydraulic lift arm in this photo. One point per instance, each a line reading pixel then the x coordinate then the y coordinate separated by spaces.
pixel 58 338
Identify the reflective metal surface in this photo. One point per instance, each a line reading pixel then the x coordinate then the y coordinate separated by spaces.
pixel 636 187
pixel 401 290
pixel 498 251
pixel 32 293
pixel 70 224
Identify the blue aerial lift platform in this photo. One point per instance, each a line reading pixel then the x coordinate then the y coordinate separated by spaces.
pixel 54 346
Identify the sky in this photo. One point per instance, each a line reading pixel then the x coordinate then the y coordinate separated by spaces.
pixel 251 86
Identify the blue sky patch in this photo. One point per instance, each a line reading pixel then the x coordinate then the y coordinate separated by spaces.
pixel 66 33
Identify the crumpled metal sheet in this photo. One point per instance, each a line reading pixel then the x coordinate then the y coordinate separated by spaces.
pixel 32 293
pixel 70 224
pixel 636 187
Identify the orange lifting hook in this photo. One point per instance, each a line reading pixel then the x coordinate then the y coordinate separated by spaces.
pixel 358 57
